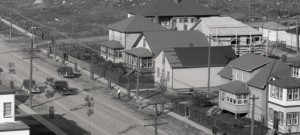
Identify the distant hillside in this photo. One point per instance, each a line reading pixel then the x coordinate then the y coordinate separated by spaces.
pixel 91 17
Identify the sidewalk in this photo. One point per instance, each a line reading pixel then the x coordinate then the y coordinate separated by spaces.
pixel 123 90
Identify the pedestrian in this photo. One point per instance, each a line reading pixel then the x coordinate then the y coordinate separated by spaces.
pixel 118 92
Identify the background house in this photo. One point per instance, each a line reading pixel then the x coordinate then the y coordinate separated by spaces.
pixel 290 37
pixel 273 31
pixel 125 33
pixel 8 125
pixel 226 31
pixel 187 67
pixel 155 41
pixel 173 14
pixel 253 70
pixel 283 99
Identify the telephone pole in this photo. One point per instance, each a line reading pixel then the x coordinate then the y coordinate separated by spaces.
pixel 208 66
pixel 253 113
pixel 157 116
pixel 138 79
pixel 10 29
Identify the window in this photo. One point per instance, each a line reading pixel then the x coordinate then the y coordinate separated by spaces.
pixel 193 20
pixel 295 71
pixel 223 96
pixel 280 118
pixel 113 34
pixel 248 41
pixel 158 70
pixel 7 109
pixel 296 94
pixel 292 118
pixel 144 42
pixel 237 75
pixel 243 76
pixel 118 53
pixel 280 93
pixel 293 94
pixel 276 92
pixel 186 20
pixel 227 99
pixel 255 39
pixel 168 76
pixel 271 116
pixel 163 58
pixel 180 20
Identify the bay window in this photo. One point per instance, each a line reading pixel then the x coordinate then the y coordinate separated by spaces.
pixel 280 118
pixel 276 92
pixel 271 114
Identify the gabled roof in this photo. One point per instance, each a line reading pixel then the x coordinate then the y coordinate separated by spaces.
pixel 261 79
pixel 140 52
pixel 158 40
pixel 226 72
pixel 181 57
pixel 286 82
pixel 235 87
pixel 224 26
pixel 113 44
pixel 170 8
pixel 136 23
pixel 274 26
pixel 6 90
pixel 249 62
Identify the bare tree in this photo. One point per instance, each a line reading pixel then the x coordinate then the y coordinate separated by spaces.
pixel 89 104
pixel 11 71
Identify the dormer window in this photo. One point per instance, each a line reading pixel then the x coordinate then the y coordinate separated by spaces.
pixel 295 72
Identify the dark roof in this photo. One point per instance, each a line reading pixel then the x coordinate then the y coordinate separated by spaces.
pixel 294 61
pixel 226 72
pixel 274 26
pixel 136 23
pixel 293 30
pixel 158 40
pixel 6 90
pixel 113 44
pixel 235 87
pixel 286 82
pixel 198 56
pixel 140 52
pixel 261 78
pixel 170 8
pixel 284 73
pixel 249 62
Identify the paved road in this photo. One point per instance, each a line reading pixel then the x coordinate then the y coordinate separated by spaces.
pixel 110 118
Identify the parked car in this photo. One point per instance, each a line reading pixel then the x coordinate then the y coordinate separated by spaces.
pixel 61 87
pixel 26 84
pixel 65 71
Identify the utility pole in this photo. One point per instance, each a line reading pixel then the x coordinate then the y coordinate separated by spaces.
pixel 253 113
pixel 157 116
pixel 297 36
pixel 54 46
pixel 249 17
pixel 31 57
pixel 208 66
pixel 10 29
pixel 138 79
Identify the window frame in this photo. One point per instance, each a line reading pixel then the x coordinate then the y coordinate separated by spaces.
pixel 9 109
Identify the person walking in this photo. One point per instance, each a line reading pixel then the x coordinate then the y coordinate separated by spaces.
pixel 118 92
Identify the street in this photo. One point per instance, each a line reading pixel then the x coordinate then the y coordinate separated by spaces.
pixel 110 117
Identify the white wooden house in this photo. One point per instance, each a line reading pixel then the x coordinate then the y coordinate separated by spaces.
pixel 173 14
pixel 273 31
pixel 8 125
pixel 283 99
pixel 226 31
pixel 155 41
pixel 254 71
pixel 187 67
